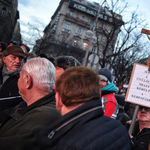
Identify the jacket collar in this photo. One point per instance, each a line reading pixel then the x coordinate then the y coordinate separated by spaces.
pixel 73 119
pixel 46 99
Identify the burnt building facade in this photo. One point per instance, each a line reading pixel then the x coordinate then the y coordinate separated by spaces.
pixel 8 21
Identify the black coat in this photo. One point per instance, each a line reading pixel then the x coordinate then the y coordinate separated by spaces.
pixel 9 89
pixel 85 128
pixel 141 140
pixel 18 131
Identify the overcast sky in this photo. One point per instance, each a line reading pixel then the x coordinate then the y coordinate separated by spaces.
pixel 35 10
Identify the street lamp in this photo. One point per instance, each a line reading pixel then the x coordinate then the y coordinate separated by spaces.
pixel 90 33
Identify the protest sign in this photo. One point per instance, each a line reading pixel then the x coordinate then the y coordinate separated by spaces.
pixel 139 86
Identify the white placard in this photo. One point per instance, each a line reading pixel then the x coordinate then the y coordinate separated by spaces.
pixel 139 86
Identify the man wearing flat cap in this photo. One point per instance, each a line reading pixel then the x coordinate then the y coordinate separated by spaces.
pixel 9 74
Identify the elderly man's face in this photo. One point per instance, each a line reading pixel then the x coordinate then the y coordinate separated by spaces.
pixel 144 114
pixel 13 62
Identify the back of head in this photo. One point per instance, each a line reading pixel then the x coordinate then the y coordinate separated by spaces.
pixel 42 72
pixel 78 85
pixel 67 62
pixel 105 74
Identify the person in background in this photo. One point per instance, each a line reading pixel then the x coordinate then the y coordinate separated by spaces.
pixel 3 46
pixel 29 55
pixel 36 86
pixel 64 62
pixel 141 140
pixel 12 43
pixel 9 74
pixel 51 59
pixel 25 48
pixel 82 125
pixel 122 116
pixel 107 90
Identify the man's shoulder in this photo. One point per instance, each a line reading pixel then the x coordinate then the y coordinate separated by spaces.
pixel 102 133
pixel 110 97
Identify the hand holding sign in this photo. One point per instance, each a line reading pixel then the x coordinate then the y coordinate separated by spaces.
pixel 145 31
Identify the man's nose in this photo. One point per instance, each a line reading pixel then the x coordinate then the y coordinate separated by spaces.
pixel 17 59
pixel 143 110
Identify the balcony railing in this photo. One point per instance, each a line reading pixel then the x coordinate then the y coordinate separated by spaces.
pixel 66 30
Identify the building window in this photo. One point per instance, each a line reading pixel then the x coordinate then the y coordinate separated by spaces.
pixel 71 13
pixel 82 18
pixel 100 24
pixel 3 12
pixel 64 38
pixel 76 42
pixel 67 26
pixel 92 23
pixel 85 45
pixel 79 30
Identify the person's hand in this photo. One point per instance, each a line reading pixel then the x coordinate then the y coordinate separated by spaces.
pixel 148 68
pixel 131 136
pixel 147 35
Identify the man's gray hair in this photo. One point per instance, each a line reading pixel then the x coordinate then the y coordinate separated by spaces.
pixel 42 71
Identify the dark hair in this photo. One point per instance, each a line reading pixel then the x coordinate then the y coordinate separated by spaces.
pixel 66 62
pixel 78 85
pixel 51 59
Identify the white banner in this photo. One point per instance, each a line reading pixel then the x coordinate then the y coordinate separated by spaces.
pixel 139 86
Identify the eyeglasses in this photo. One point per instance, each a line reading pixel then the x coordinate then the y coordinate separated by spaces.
pixel 145 108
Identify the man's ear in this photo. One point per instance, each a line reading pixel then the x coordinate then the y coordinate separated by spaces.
pixel 29 81
pixel 59 103
pixel 4 59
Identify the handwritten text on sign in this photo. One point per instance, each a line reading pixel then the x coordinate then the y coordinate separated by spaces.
pixel 139 87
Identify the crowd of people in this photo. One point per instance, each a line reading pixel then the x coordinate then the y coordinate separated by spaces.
pixel 58 104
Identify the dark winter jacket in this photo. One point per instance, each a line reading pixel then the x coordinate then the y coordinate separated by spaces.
pixel 9 89
pixel 18 132
pixel 141 141
pixel 85 128
pixel 122 116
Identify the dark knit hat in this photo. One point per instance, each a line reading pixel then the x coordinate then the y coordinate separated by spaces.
pixel 14 50
pixel 105 74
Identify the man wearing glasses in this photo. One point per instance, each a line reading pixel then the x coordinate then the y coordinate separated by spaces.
pixel 142 139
